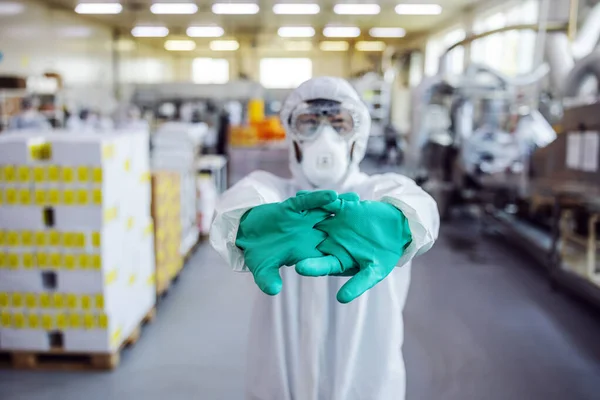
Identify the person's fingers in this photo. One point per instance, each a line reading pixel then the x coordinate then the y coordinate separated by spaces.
pixel 320 266
pixel 302 192
pixel 268 279
pixel 350 196
pixel 364 280
pixel 311 200
pixel 333 207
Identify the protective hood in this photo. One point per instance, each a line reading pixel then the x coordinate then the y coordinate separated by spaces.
pixel 327 88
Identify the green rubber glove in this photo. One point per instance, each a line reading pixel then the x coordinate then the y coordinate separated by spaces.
pixel 364 238
pixel 278 234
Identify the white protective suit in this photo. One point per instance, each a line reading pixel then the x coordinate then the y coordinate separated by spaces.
pixel 303 344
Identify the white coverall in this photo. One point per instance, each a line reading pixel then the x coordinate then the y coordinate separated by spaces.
pixel 303 344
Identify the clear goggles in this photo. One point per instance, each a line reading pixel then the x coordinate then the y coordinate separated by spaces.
pixel 308 118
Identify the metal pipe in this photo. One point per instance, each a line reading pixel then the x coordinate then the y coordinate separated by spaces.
pixel 586 39
pixel 573 11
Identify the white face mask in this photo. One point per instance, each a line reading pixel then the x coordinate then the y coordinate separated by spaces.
pixel 325 160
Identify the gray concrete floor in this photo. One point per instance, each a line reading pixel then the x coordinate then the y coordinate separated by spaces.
pixel 481 323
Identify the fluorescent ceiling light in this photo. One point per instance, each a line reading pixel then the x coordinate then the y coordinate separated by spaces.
pixel 235 8
pixel 205 31
pixel 341 31
pixel 356 9
pixel 180 45
pixel 224 45
pixel 296 31
pixel 98 8
pixel 333 46
pixel 387 32
pixel 302 45
pixel 418 9
pixel 150 31
pixel 296 9
pixel 370 46
pixel 173 8
pixel 11 8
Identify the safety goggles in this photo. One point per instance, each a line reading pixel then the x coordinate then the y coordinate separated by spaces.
pixel 308 118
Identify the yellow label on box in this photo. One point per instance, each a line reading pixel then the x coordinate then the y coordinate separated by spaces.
pixel 53 196
pixel 99 301
pixel 130 223
pixel 68 197
pixel 40 197
pixel 83 174
pixel 12 238
pixel 102 321
pixel 68 175
pixel 53 172
pixel 33 321
pixel 25 197
pixel 115 338
pixel 10 174
pixel 97 175
pixel 27 238
pixel 108 151
pixel 86 302
pixel 96 239
pixel 75 321
pixel 54 238
pixel 132 279
pixel 45 301
pixel 40 239
pixel 18 321
pixel 110 214
pixel 58 300
pixel 55 260
pixel 149 229
pixel 97 196
pixel 16 300
pixel 13 261
pixel 11 196
pixel 145 177
pixel 68 239
pixel 127 165
pixel 1 197
pixel 3 261
pixel 72 301
pixel 61 321
pixel 83 197
pixel 111 277
pixel 69 261
pixel 39 174
pixel 42 260
pixel 3 300
pixel 47 322
pixel 89 321
pixel 28 261
pixel 5 319
pixel 96 262
pixel 2 238
pixel 83 261
pixel 31 300
pixel 23 174
pixel 151 281
pixel 79 240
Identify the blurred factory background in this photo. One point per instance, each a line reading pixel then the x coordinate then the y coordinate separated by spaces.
pixel 121 122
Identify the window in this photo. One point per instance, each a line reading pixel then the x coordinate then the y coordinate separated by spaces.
pixel 210 70
pixel 284 73
pixel 437 45
pixel 144 70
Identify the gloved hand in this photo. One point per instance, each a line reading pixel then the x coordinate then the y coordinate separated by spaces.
pixel 364 238
pixel 278 234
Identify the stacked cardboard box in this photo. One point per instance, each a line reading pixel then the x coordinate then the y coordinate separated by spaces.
pixel 76 241
pixel 166 212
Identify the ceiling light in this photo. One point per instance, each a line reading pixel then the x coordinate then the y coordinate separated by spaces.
pixel 302 45
pixel 370 46
pixel 98 8
pixel 224 45
pixel 173 8
pixel 205 31
pixel 180 45
pixel 357 9
pixel 333 46
pixel 387 32
pixel 296 9
pixel 235 8
pixel 296 31
pixel 11 8
pixel 418 9
pixel 150 31
pixel 341 31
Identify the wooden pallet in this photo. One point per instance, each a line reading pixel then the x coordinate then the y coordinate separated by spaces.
pixel 59 360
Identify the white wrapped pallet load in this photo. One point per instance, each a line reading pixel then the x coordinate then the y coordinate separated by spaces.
pixel 77 272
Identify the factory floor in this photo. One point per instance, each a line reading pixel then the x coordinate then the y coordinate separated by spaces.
pixel 481 323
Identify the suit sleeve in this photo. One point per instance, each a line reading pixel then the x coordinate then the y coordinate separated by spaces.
pixel 257 188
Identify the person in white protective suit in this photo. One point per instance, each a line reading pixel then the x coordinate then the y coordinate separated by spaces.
pixel 305 345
